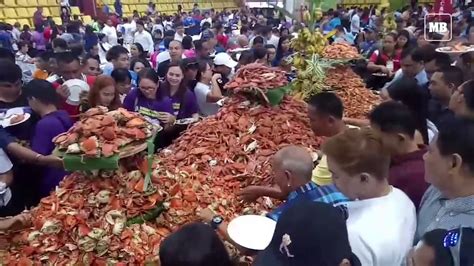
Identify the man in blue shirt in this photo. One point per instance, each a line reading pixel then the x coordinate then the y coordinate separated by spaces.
pixel 292 169
pixel 335 21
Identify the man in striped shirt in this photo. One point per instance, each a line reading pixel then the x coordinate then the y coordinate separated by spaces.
pixel 292 170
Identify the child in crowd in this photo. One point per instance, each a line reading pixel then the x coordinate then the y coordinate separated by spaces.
pixel 22 54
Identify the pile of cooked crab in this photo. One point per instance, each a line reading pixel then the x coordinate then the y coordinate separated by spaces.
pixel 101 133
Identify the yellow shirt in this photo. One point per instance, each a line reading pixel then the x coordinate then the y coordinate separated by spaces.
pixel 321 174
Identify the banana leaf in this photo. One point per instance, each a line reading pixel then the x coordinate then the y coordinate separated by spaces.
pixel 275 96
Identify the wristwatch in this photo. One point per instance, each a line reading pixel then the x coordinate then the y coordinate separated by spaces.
pixel 216 221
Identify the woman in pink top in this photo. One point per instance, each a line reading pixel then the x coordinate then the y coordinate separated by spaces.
pixel 188 47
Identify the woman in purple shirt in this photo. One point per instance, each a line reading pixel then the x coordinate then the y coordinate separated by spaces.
pixel 42 98
pixel 147 100
pixel 184 102
pixel 39 42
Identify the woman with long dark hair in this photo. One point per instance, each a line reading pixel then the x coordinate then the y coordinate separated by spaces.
pixel 283 50
pixel 148 101
pixel 174 86
pixel 137 51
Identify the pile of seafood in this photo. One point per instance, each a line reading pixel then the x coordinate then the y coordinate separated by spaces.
pixel 93 221
pixel 220 155
pixel 257 79
pixel 357 99
pixel 101 133
pixel 340 51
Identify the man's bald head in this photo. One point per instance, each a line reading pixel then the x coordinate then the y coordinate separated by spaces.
pixel 296 160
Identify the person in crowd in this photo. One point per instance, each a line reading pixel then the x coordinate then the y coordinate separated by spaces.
pixel 201 51
pixel 38 40
pixel 119 58
pixel 210 42
pixel 179 29
pixel 138 64
pixel 110 32
pixel 69 67
pixel 42 98
pixel 403 41
pixel 188 47
pixel 225 66
pixel 292 170
pixel 123 81
pixel 90 38
pixel 434 61
pixel 144 38
pixel 359 163
pixel 42 65
pixel 260 55
pixel 176 53
pixel 258 42
pixel 103 93
pixel 314 241
pixel 246 57
pixel 104 47
pixel 194 244
pixel 369 42
pixel 435 248
pixel 207 90
pixel 385 60
pixel 271 54
pixel 136 51
pixel 462 100
pixel 412 65
pixel 22 54
pixel 325 111
pixel 38 17
pixel 396 125
pixel 91 65
pixel 191 69
pixel 356 21
pixel 443 84
pixel 148 101
pixel 174 87
pixel 26 35
pixel 449 168
pixel 283 50
pixel 59 45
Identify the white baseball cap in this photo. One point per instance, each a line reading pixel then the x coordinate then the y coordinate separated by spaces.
pixel 223 59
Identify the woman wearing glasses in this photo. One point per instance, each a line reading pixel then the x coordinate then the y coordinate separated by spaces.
pixel 148 101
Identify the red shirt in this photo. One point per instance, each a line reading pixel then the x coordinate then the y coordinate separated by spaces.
pixel 407 173
pixel 73 110
pixel 384 58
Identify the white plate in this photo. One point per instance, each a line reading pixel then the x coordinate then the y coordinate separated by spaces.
pixel 186 121
pixel 253 232
pixel 238 50
pixel 450 50
pixel 221 102
pixel 6 122
pixel 14 111
pixel 75 86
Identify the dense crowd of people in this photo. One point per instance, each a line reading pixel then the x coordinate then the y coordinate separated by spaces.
pixel 394 188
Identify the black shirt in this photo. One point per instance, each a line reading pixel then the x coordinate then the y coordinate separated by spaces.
pixel 438 113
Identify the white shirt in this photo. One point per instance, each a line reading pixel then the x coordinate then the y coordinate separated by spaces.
pixel 128 30
pixel 355 23
pixel 205 108
pixel 103 52
pixel 111 34
pixel 5 163
pixel 165 55
pixel 16 34
pixel 65 3
pixel 144 38
pixel 158 27
pixel 178 37
pixel 209 20
pixel 381 230
pixel 274 41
